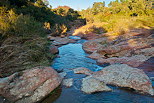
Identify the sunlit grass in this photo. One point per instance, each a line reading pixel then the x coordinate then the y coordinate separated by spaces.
pixel 91 28
pixel 117 25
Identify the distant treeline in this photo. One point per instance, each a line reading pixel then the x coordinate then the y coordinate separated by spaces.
pixel 121 15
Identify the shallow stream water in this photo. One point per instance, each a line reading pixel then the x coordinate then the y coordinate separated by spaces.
pixel 72 56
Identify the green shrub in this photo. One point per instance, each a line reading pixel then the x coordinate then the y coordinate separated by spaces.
pixel 122 15
pixel 59 29
pixel 19 25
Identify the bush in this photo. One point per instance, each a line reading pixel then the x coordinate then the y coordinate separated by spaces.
pixel 18 25
pixel 58 30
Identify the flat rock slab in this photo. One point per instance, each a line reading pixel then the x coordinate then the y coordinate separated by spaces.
pixel 133 61
pixel 123 75
pixel 92 85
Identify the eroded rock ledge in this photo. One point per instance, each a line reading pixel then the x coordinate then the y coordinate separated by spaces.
pixel 132 48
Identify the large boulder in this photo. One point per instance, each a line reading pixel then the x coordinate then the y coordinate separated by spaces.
pixel 91 85
pixel 133 61
pixel 125 76
pixel 30 86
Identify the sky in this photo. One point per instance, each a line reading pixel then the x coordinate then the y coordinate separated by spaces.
pixel 76 4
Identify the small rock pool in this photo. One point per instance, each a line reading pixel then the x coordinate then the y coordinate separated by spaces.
pixel 72 56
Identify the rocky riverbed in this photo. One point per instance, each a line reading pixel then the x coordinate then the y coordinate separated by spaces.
pixel 81 77
pixel 86 82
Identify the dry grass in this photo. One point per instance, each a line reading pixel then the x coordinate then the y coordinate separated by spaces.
pixel 116 25
pixel 96 28
pixel 120 25
pixel 18 53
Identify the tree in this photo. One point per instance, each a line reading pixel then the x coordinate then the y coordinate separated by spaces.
pixel 61 11
pixel 42 3
pixel 140 7
pixel 98 7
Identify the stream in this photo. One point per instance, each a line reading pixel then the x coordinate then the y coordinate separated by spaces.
pixel 72 56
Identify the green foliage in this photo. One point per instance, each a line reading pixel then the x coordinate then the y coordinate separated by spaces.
pixel 39 11
pixel 23 45
pixel 121 15
pixel 41 14
pixel 98 7
pixel 23 28
pixel 18 25
pixel 59 29
pixel 67 13
pixel 41 3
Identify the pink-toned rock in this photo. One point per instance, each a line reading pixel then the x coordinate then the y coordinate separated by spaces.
pixel 95 55
pixel 133 61
pixel 91 46
pixel 72 41
pixel 125 76
pixel 53 49
pixel 87 36
pixel 97 44
pixel 82 70
pixel 126 44
pixel 132 44
pixel 90 36
pixel 141 32
pixel 31 85
pixel 92 85
pixel 148 67
pixel 146 51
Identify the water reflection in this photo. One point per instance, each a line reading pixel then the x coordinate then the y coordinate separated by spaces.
pixel 53 96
